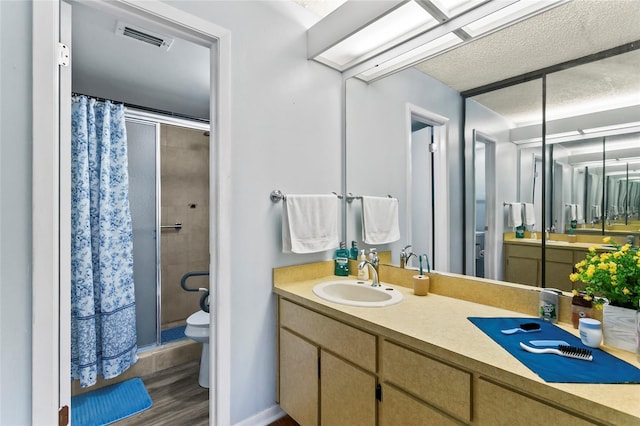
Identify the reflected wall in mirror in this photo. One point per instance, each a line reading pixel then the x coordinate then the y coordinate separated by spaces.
pixel 508 173
pixel 402 140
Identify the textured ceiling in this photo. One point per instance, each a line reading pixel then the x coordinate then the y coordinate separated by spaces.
pixel 570 31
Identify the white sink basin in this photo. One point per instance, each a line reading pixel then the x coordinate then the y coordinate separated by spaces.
pixel 357 293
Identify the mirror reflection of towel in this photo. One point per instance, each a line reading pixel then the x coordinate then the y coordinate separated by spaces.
pixel 380 220
pixel 529 214
pixel 573 212
pixel 514 217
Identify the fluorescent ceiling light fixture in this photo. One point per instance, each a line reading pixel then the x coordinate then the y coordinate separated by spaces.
pixel 391 29
pixel 409 58
pixel 614 127
pixel 453 8
pixel 507 16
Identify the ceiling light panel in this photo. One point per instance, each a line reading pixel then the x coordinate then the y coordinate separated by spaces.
pixel 392 29
pixel 508 16
pixel 453 8
pixel 409 58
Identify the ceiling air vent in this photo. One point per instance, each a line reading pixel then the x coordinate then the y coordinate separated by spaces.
pixel 144 35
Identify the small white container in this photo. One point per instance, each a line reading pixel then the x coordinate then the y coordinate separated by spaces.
pixel 590 332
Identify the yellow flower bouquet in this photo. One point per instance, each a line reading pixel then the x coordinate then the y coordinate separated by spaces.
pixel 612 276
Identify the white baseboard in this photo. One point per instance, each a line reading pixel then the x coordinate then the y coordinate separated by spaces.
pixel 264 417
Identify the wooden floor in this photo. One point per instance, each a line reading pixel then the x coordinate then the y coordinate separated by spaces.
pixel 177 399
pixel 285 421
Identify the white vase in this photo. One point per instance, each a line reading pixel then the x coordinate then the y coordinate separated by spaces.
pixel 619 327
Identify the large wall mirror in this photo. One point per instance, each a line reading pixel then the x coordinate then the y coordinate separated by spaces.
pixel 460 141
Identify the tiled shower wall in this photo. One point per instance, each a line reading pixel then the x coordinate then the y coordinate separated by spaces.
pixel 184 194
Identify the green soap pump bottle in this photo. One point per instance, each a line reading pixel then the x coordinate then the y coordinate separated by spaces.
pixel 341 259
pixel 353 253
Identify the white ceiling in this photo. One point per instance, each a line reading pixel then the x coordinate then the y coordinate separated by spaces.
pixel 122 69
pixel 110 66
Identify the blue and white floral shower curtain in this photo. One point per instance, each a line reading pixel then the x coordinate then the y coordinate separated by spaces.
pixel 103 320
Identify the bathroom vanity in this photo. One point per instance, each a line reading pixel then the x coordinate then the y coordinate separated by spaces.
pixel 421 362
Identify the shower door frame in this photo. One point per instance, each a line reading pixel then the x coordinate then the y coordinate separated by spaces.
pixel 50 346
pixel 157 120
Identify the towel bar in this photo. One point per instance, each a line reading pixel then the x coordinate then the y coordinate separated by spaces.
pixel 277 195
pixel 351 197
pixel 176 226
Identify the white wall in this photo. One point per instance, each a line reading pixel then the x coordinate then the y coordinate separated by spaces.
pixel 285 135
pixel 15 212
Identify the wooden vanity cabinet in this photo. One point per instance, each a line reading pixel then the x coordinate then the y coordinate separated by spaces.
pixel 327 369
pixel 332 373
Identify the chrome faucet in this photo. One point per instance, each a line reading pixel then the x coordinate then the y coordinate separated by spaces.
pixel 405 256
pixel 372 271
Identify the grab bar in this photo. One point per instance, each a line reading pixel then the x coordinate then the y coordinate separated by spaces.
pixel 176 226
pixel 204 299
pixel 185 277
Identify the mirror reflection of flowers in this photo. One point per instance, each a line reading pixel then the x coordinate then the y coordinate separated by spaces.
pixel 611 275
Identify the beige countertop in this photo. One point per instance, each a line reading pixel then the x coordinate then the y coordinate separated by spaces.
pixel 438 325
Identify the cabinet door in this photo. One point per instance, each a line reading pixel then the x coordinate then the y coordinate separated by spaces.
pixel 347 393
pixel 398 408
pixel 298 378
pixel 557 275
pixel 521 271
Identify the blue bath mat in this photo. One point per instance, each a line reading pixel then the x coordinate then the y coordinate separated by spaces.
pixel 171 334
pixel 605 368
pixel 110 404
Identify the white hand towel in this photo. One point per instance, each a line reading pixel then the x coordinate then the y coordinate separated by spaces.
pixel 596 211
pixel 579 213
pixel 573 211
pixel 514 217
pixel 529 214
pixel 380 220
pixel 309 223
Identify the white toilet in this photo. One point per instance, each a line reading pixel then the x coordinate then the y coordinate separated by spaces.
pixel 198 330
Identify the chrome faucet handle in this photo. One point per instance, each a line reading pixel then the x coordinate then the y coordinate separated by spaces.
pixel 372 270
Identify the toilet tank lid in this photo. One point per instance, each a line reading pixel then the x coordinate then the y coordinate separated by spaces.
pixel 198 318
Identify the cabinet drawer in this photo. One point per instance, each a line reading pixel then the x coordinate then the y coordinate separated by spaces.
pixel 560 256
pixel 498 405
pixel 398 408
pixel 350 343
pixel 436 383
pixel 516 250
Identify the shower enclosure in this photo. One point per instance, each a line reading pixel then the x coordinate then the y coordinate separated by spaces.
pixel 169 202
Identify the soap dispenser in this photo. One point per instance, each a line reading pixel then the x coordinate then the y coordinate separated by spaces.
pixel 363 273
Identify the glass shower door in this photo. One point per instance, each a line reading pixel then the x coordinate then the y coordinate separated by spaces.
pixel 142 143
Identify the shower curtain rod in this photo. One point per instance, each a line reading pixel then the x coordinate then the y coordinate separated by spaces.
pixel 146 109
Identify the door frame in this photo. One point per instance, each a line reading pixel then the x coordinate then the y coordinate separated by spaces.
pixel 491 239
pixel 51 251
pixel 440 129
